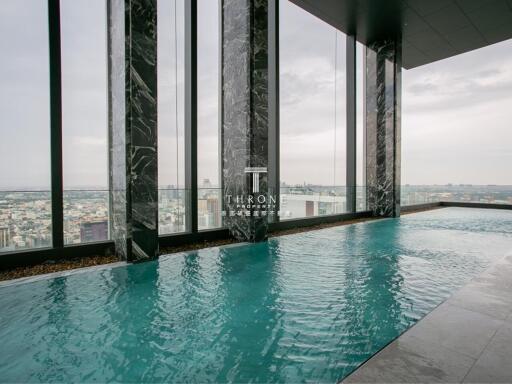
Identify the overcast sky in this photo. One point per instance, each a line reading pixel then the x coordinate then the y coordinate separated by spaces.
pixel 457 119
pixel 456 113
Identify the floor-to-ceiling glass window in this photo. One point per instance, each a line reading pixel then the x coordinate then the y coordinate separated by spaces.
pixel 209 202
pixel 85 121
pixel 172 196
pixel 312 115
pixel 25 202
pixel 456 128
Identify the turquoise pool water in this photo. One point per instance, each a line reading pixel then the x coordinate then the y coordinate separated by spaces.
pixel 305 307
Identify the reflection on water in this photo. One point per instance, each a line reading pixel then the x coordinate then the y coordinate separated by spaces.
pixel 311 306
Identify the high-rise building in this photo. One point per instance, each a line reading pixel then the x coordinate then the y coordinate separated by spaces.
pixel 93 231
pixel 213 212
pixel 209 213
pixel 4 237
pixel 206 183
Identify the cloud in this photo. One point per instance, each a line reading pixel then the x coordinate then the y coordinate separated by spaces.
pixel 461 82
pixel 456 112
pixel 422 88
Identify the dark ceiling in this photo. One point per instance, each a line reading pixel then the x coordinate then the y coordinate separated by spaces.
pixel 431 30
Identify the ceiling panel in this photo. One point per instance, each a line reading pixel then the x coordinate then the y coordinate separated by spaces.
pixel 427 42
pixel 465 39
pixel 491 15
pixel 430 30
pixel 473 5
pixel 447 20
pixel 426 7
pixel 497 34
pixel 413 23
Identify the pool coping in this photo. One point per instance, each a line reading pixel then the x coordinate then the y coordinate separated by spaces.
pixel 65 273
pixel 75 271
pixel 460 340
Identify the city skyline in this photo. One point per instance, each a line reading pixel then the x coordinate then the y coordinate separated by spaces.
pixel 85 188
pixel 25 217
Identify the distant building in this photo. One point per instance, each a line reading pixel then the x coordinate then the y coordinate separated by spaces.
pixel 214 212
pixel 206 183
pixel 93 231
pixel 209 213
pixel 301 204
pixel 4 237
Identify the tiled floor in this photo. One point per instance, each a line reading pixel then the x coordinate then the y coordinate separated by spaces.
pixel 466 339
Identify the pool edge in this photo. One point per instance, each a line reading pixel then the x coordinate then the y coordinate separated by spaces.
pixel 64 273
pixel 368 364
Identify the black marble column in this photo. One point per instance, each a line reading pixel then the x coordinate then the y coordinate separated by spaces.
pixel 245 117
pixel 383 116
pixel 132 50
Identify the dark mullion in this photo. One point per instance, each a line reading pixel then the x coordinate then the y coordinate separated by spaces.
pixel 220 129
pixel 273 102
pixel 191 111
pixel 351 124
pixel 365 182
pixel 56 122
pixel 108 6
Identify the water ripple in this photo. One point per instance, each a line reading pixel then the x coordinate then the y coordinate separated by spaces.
pixel 306 307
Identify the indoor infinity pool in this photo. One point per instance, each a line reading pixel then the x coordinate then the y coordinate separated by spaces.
pixel 305 307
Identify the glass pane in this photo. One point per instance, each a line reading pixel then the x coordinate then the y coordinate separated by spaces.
pixel 456 128
pixel 85 120
pixel 313 115
pixel 208 161
pixel 25 215
pixel 171 117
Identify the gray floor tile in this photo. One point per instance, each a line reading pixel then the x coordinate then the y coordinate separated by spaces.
pixel 491 368
pixel 409 359
pixel 461 330
pixel 482 299
pixel 501 343
pixel 495 364
pixel 498 277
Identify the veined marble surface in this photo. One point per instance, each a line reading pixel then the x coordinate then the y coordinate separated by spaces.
pixel 133 127
pixel 383 115
pixel 244 110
